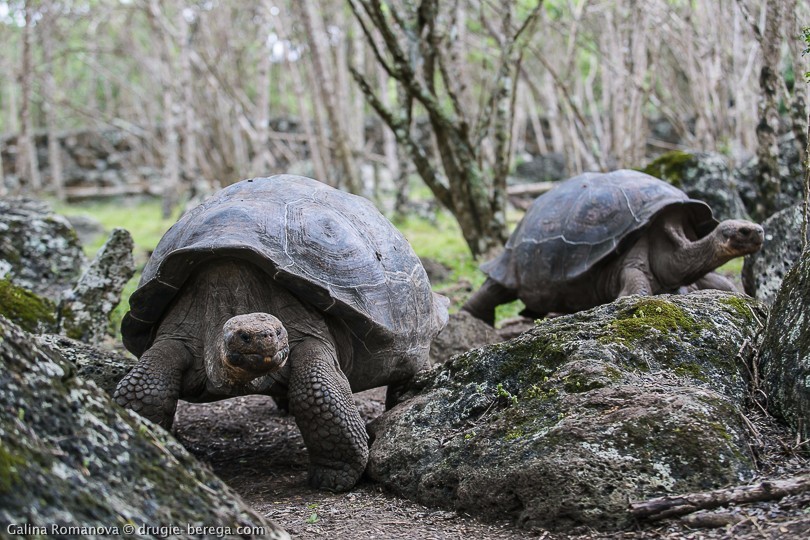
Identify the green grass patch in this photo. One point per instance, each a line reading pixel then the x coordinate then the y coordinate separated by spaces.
pixel 440 239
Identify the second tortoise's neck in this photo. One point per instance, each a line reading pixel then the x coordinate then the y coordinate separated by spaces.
pixel 678 257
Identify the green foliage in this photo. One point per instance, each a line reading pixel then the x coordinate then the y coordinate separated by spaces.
pixel 440 239
pixel 506 394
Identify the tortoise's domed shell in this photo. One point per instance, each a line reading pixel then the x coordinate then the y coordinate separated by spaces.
pixel 329 248
pixel 583 220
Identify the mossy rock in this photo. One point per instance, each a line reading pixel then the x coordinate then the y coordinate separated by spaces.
pixel 670 167
pixel 703 176
pixel 563 425
pixel 28 310
pixel 39 250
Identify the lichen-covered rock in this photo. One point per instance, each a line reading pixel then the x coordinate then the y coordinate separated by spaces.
pixel 462 333
pixel 85 310
pixel 71 457
pixel 703 176
pixel 21 306
pixel 763 272
pixel 103 367
pixel 565 424
pixel 791 173
pixel 785 354
pixel 39 250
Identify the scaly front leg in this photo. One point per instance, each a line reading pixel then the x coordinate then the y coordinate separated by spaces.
pixel 153 386
pixel 321 401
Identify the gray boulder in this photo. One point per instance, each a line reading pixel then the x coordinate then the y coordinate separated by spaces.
pixel 39 250
pixel 791 172
pixel 72 457
pixel 85 310
pixel 703 176
pixel 462 333
pixel 543 168
pixel 785 354
pixel 564 425
pixel 103 367
pixel 763 272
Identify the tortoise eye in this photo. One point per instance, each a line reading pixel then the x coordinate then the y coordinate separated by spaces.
pixel 244 336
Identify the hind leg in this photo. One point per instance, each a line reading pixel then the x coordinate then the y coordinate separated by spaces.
pixel 483 302
pixel 712 280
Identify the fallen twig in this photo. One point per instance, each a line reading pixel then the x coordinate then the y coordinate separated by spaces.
pixel 679 505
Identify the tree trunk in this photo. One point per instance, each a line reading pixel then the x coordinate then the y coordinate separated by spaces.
pixel 768 126
pixel 311 124
pixel 188 135
pixel 325 84
pixel 48 99
pixel 263 159
pixel 415 47
pixel 27 162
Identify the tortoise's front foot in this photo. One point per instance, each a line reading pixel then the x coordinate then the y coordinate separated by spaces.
pixel 335 475
pixel 152 388
pixel 321 401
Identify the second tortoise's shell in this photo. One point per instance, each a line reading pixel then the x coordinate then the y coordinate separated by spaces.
pixel 583 220
pixel 329 248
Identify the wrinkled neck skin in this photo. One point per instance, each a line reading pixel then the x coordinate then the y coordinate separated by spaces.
pixel 214 294
pixel 677 259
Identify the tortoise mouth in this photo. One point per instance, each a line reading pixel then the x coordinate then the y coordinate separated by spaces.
pixel 248 366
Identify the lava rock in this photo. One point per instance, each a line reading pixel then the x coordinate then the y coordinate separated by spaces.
pixel 763 272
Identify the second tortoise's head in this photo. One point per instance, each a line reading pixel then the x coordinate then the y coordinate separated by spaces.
pixel 254 344
pixel 738 237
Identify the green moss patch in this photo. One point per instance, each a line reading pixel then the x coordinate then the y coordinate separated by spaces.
pixel 670 166
pixel 739 305
pixel 636 322
pixel 8 469
pixel 25 308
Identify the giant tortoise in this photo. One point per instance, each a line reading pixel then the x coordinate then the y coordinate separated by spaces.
pixel 596 237
pixel 287 287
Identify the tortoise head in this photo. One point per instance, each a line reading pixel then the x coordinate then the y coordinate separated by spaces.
pixel 736 237
pixel 254 344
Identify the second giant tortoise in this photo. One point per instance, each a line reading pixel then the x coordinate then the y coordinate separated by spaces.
pixel 287 287
pixel 596 237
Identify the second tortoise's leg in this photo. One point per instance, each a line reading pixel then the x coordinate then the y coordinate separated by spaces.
pixel 321 402
pixel 634 281
pixel 483 302
pixel 153 386
pixel 713 280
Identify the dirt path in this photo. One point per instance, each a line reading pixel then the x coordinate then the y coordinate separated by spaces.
pixel 259 452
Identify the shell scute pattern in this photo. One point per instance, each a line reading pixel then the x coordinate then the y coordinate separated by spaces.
pixel 329 248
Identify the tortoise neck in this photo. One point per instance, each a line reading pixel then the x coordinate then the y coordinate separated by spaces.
pixel 681 261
